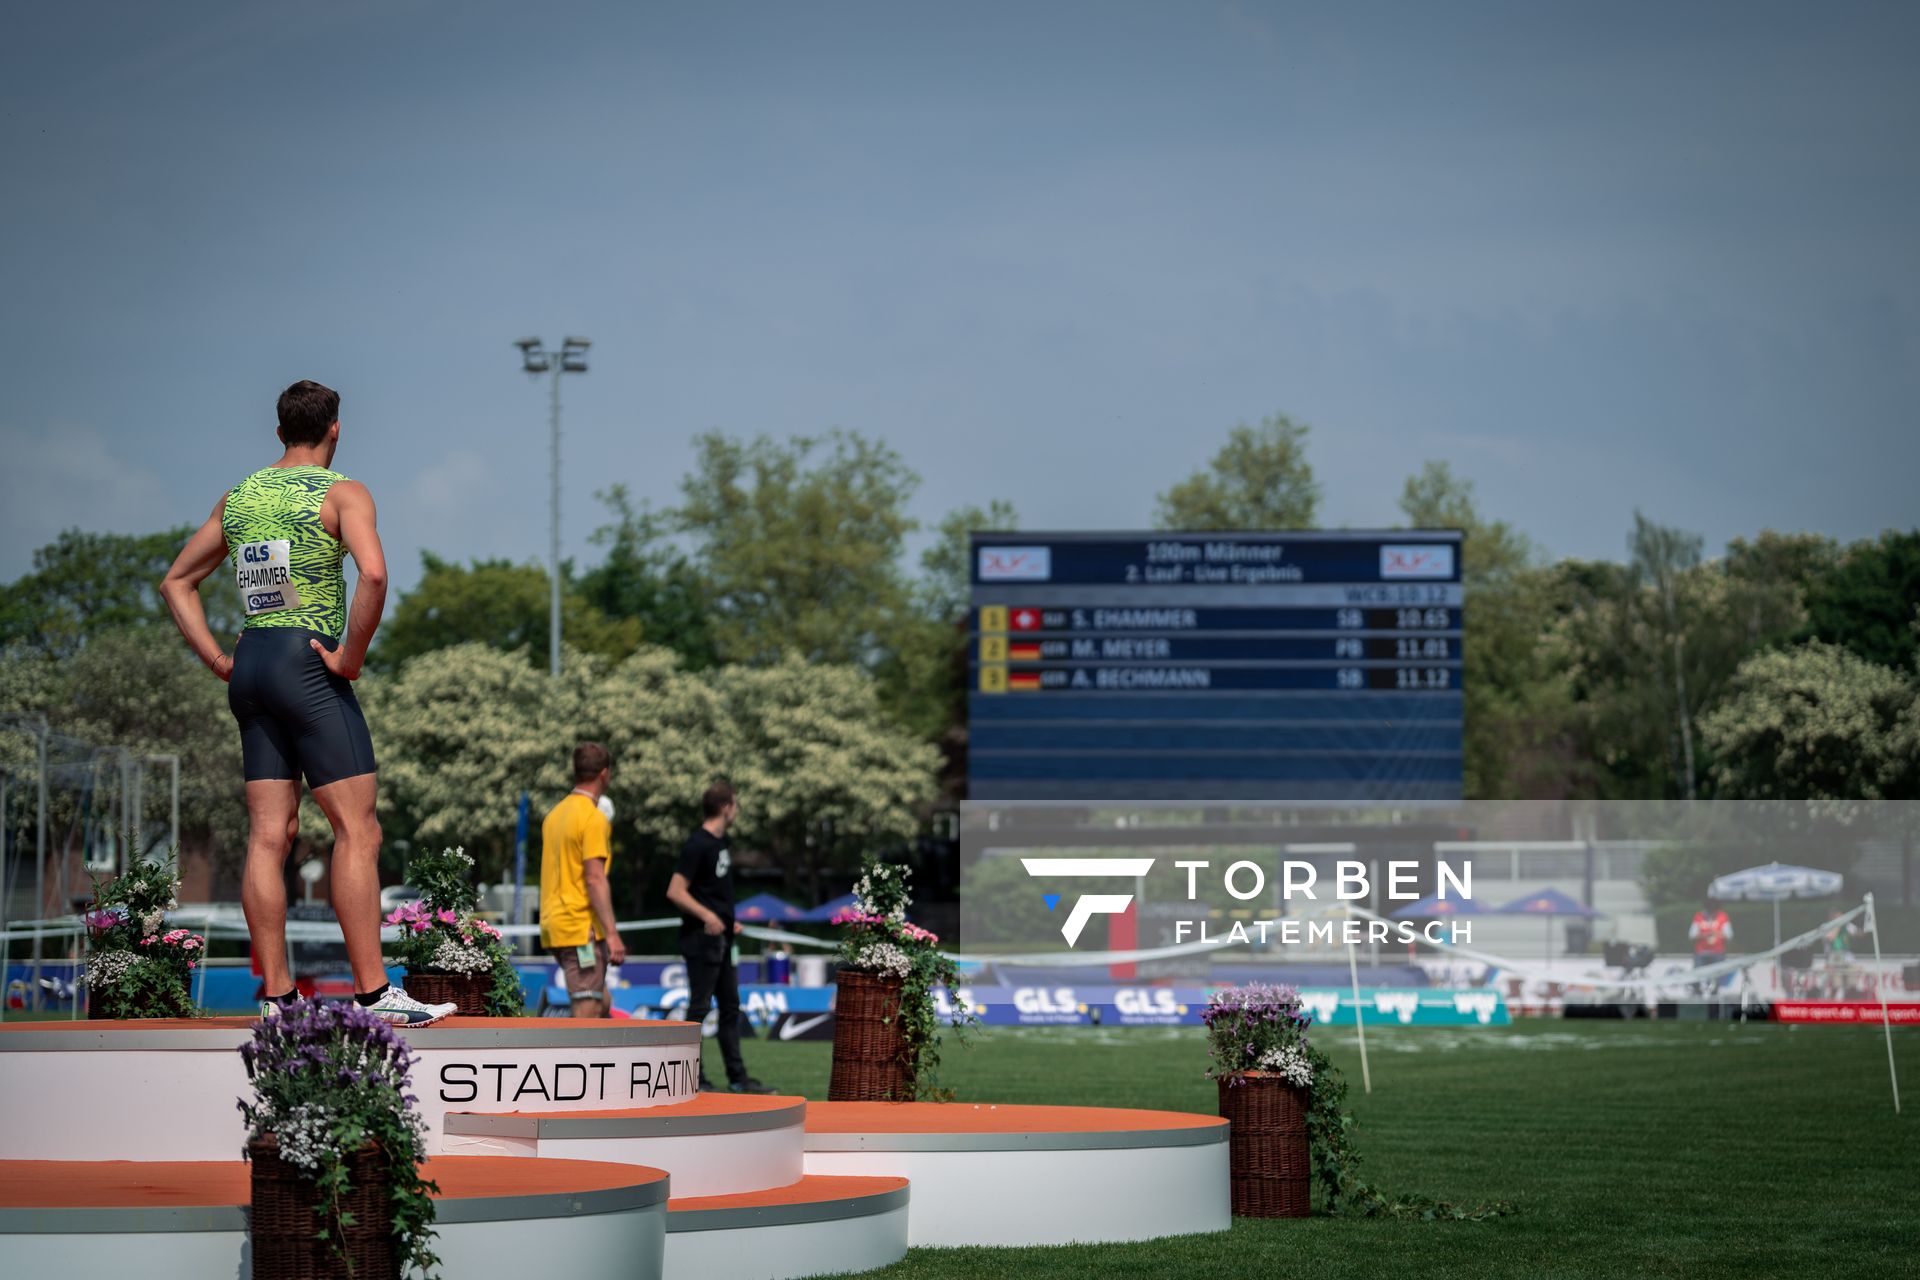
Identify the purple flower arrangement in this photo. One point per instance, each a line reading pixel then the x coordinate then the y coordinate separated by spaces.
pixel 1257 1027
pixel 328 1080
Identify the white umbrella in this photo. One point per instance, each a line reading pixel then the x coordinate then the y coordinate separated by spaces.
pixel 1773 883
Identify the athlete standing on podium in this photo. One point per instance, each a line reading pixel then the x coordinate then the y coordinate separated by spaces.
pixel 287 529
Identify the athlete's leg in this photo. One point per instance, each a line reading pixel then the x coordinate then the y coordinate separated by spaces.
pixel 355 879
pixel 273 805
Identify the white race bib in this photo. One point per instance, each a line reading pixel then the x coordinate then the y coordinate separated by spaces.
pixel 264 573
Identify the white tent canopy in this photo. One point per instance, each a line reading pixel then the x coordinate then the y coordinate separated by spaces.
pixel 1774 883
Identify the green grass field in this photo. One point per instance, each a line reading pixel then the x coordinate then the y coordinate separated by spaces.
pixel 1631 1149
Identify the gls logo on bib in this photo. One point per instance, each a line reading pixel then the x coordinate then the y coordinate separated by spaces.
pixel 264 573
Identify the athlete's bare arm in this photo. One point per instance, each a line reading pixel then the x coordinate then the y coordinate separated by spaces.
pixel 204 552
pixel 352 506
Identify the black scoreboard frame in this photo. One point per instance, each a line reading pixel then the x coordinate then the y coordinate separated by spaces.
pixel 1288 666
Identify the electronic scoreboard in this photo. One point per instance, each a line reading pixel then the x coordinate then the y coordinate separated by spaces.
pixel 1296 666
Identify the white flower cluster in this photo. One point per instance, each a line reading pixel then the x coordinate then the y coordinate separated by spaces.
pixel 883 958
pixel 1290 1063
pixel 454 956
pixel 106 968
pixel 305 1135
pixel 150 923
pixel 864 887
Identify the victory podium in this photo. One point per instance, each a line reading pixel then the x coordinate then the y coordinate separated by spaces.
pixel 587 1139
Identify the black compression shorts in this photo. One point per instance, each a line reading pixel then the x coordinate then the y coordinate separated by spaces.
pixel 295 715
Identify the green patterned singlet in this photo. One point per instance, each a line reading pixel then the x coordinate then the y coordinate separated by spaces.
pixel 285 563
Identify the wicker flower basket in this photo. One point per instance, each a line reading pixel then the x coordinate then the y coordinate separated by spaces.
pixel 871 1058
pixel 468 990
pixel 286 1221
pixel 1267 1152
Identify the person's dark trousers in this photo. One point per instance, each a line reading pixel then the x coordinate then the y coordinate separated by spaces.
pixel 711 975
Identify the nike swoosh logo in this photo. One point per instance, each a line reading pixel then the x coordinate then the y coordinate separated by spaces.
pixel 795 1027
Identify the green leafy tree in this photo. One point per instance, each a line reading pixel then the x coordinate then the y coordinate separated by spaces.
pixel 923 674
pixel 88 584
pixel 799 542
pixel 1515 704
pixel 498 603
pixel 644 577
pixel 1648 647
pixel 946 577
pixel 823 775
pixel 1260 479
pixel 1816 722
pixel 144 692
pixel 1868 601
pixel 1662 555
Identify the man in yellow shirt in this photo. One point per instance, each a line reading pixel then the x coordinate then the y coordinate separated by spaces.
pixel 576 906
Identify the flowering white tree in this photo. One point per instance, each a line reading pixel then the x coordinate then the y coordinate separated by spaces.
pixel 823 775
pixel 460 733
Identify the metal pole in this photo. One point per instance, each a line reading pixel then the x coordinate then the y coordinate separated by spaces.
pixel 553 559
pixel 1880 989
pixel 40 859
pixel 520 862
pixel 1359 1020
pixel 137 779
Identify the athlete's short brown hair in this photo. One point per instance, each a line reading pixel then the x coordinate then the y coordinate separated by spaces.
pixel 589 758
pixel 306 410
pixel 716 798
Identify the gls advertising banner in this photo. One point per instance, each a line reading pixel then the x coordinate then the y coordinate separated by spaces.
pixel 1086 1005
pixel 1180 1006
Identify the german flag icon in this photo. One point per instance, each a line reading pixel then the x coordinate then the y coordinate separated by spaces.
pixel 1021 681
pixel 1028 651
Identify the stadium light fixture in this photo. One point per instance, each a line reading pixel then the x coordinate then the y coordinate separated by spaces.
pixel 536 359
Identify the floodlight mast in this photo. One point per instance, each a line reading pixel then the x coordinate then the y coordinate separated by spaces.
pixel 536 359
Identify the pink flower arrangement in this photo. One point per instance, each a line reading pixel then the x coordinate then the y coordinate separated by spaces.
pixel 416 916
pixel 905 929
pixel 184 939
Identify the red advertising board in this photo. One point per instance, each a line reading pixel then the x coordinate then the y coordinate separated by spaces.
pixel 1905 1014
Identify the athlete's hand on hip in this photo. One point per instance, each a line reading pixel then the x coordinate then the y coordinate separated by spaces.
pixel 714 926
pixel 335 661
pixel 222 666
pixel 616 950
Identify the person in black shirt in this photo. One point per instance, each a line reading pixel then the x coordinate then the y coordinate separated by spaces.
pixel 702 891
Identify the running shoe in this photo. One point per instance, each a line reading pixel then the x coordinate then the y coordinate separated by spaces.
pixel 403 1010
pixel 269 1009
pixel 750 1085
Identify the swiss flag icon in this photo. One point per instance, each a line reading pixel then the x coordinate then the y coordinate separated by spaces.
pixel 1024 620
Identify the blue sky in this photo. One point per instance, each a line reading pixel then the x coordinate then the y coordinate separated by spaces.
pixel 1596 256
